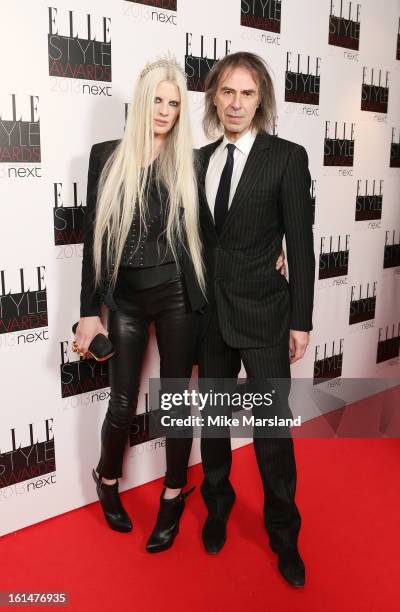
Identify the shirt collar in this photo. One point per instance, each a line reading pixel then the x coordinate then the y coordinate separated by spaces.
pixel 244 143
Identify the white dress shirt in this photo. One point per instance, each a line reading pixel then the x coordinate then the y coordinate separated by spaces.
pixel 218 161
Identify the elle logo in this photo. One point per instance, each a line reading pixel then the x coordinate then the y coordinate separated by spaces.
pixel 197 66
pixel 334 259
pixel 344 28
pixel 362 303
pixel 369 200
pixel 261 14
pixel 388 343
pixel 22 307
pixel 31 453
pixel 339 145
pixel 374 91
pixel 83 50
pixel 19 129
pixel 395 149
pixel 391 257
pixel 69 221
pixel 302 79
pixel 328 363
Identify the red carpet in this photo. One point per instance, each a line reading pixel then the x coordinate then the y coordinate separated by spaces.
pixel 349 497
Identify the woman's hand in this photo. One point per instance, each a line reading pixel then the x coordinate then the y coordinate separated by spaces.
pixel 281 264
pixel 88 328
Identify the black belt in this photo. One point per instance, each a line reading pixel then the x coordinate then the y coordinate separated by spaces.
pixel 143 278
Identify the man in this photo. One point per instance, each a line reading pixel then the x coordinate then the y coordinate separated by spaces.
pixel 256 188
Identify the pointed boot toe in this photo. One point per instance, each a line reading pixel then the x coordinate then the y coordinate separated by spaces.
pixel 167 524
pixel 115 514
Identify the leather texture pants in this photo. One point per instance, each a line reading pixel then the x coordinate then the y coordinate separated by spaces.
pixel 176 329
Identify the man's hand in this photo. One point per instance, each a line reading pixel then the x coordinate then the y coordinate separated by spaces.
pixel 298 342
pixel 280 264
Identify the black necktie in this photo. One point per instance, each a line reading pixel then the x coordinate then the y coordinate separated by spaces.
pixel 224 188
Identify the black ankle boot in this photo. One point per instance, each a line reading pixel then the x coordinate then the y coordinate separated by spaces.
pixel 167 524
pixel 114 512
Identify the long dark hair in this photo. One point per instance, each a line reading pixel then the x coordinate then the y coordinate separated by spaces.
pixel 266 112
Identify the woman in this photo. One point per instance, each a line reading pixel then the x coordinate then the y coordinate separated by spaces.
pixel 142 257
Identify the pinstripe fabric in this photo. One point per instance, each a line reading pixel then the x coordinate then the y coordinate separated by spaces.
pixel 252 307
pixel 256 305
pixel 275 456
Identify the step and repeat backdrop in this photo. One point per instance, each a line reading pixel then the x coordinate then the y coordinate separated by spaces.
pixel 68 69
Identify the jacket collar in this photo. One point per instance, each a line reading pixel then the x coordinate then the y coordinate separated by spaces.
pixel 255 160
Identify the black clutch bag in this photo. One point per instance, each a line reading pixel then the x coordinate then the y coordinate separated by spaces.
pixel 100 348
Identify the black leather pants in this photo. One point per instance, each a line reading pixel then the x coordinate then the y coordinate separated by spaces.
pixel 177 333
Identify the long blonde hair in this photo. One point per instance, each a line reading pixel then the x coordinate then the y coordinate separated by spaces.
pixel 122 183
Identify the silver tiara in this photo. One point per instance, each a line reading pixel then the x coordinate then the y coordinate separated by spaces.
pixel 163 62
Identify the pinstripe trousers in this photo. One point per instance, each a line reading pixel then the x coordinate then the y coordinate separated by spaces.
pixel 275 455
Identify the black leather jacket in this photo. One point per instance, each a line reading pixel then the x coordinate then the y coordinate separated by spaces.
pixel 148 253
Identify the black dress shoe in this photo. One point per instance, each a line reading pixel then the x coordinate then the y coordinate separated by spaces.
pixel 214 534
pixel 292 568
pixel 114 512
pixel 167 524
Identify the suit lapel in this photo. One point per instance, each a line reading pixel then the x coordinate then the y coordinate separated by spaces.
pixel 205 155
pixel 255 162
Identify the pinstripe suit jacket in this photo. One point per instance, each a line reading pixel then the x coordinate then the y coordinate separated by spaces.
pixel 256 305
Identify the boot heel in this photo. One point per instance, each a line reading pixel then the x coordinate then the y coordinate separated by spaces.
pixel 115 514
pixel 167 524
